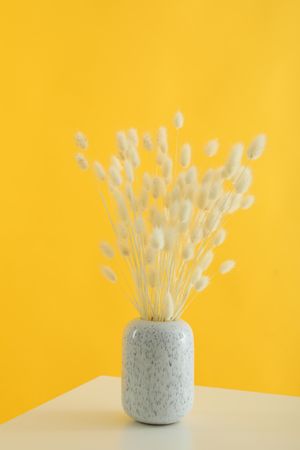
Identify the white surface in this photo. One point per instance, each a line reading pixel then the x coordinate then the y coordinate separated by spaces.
pixel 90 418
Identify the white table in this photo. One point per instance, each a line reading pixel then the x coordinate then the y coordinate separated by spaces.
pixel 91 418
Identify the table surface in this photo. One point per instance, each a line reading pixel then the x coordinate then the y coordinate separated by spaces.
pixel 90 417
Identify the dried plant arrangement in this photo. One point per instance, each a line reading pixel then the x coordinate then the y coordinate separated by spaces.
pixel 168 223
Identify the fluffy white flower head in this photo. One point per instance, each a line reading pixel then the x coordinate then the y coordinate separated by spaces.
pixel 81 161
pixel 227 266
pixel 257 147
pixel 211 147
pixel 178 120
pixel 81 140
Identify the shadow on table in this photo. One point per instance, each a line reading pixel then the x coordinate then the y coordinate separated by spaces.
pixel 125 430
pixel 148 437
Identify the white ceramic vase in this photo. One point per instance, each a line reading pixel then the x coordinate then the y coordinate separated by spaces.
pixel 157 371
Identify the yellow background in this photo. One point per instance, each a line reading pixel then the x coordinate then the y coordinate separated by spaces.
pixel 233 69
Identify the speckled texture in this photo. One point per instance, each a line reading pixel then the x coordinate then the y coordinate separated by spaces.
pixel 158 371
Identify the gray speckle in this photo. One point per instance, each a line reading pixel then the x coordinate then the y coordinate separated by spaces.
pixel 158 371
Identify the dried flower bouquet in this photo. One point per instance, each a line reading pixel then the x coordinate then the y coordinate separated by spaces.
pixel 168 223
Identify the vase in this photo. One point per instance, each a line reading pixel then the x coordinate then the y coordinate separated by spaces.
pixel 157 371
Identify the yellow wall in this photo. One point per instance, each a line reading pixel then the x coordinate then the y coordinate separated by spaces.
pixel 233 69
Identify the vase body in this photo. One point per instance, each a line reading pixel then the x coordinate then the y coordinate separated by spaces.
pixel 157 371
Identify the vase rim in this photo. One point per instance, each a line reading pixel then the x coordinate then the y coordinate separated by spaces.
pixel 162 322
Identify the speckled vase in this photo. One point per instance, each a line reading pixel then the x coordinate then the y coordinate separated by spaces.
pixel 157 371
